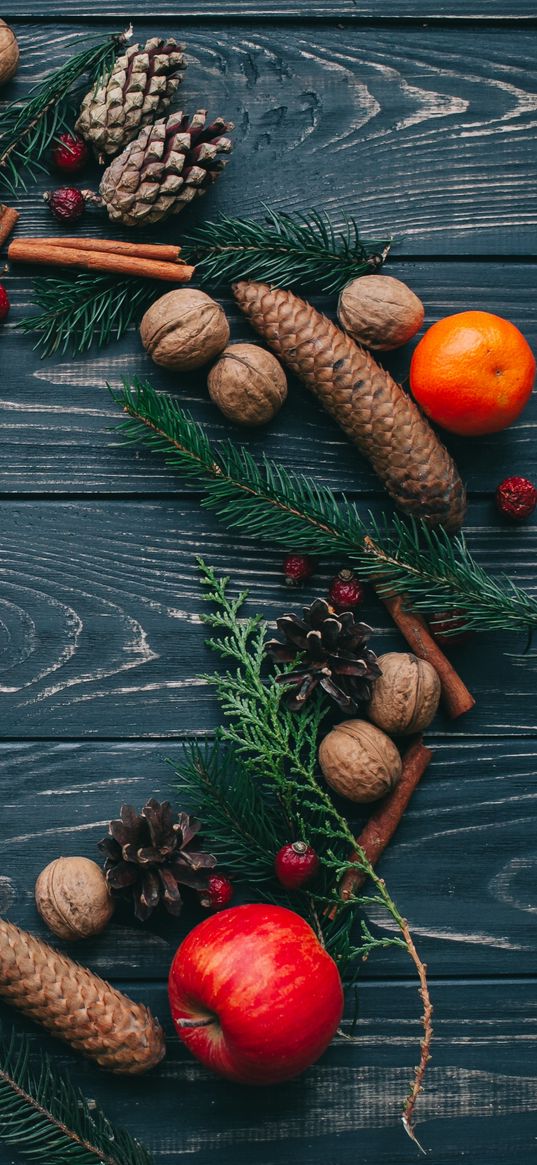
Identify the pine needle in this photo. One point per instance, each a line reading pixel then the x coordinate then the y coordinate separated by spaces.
pixel 86 309
pixel 284 250
pixel 48 1120
pixel 273 505
pixel 29 127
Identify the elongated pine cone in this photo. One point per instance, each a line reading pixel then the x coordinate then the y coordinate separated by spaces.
pixel 77 1006
pixel 169 164
pixel 374 411
pixel 139 89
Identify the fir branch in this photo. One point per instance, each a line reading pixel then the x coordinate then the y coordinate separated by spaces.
pixel 86 309
pixel 269 503
pixel 284 250
pixel 48 1120
pixel 29 127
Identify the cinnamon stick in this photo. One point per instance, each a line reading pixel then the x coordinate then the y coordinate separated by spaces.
pixel 37 251
pixel 383 823
pixel 455 695
pixel 9 218
pixel 167 253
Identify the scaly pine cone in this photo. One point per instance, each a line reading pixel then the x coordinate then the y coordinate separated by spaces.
pixel 374 411
pixel 77 1006
pixel 168 164
pixel 139 89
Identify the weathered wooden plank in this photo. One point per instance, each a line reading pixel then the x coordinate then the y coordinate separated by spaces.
pixel 100 606
pixel 348 10
pixel 480 1099
pixel 461 868
pixel 411 132
pixel 57 418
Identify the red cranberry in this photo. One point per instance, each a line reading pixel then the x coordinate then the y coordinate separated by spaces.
pixel 297 568
pixel 4 303
pixel 219 892
pixel 67 204
pixel 346 592
pixel 516 498
pixel 70 154
pixel 296 864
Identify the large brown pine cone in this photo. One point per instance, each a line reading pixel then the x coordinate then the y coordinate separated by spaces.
pixel 375 413
pixel 138 90
pixel 168 165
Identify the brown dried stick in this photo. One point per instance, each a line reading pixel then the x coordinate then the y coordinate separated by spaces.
pixel 76 1005
pixel 383 823
pixel 455 695
pixel 375 413
pixel 167 253
pixel 36 251
pixel 9 218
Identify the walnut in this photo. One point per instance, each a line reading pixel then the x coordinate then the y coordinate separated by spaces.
pixel 248 384
pixel 380 312
pixel 9 53
pixel 359 761
pixel 72 897
pixel 184 329
pixel 405 698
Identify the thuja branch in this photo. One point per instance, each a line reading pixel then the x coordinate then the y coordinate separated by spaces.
pixel 273 505
pixel 284 250
pixel 48 1120
pixel 29 127
pixel 278 752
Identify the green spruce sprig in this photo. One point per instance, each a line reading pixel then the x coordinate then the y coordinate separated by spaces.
pixel 284 250
pixel 272 505
pixel 29 127
pixel 85 309
pixel 277 751
pixel 48 1120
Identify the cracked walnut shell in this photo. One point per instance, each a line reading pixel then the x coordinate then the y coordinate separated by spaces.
pixel 9 53
pixel 380 312
pixel 72 897
pixel 248 384
pixel 184 330
pixel 406 696
pixel 359 761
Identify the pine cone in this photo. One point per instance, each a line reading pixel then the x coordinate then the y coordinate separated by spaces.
pixel 149 855
pixel 168 165
pixel 138 90
pixel 76 1005
pixel 375 413
pixel 332 653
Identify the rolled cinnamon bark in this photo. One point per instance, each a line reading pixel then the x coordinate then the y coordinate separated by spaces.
pixel 168 254
pixel 9 218
pixel 36 251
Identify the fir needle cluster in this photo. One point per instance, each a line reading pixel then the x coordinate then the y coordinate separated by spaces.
pixel 273 505
pixel 284 250
pixel 29 127
pixel 48 1120
pixel 85 309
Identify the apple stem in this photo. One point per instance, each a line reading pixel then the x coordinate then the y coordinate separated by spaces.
pixel 195 1022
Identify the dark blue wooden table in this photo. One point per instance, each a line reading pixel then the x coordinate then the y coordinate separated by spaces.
pixel 418 117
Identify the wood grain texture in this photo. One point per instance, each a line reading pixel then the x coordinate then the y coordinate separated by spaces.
pixel 480 1098
pixel 100 612
pixel 462 865
pixel 348 10
pixel 413 134
pixel 57 418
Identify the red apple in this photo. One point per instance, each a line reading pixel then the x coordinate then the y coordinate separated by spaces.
pixel 254 995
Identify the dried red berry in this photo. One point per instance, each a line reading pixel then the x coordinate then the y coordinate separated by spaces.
pixel 296 864
pixel 346 592
pixel 444 629
pixel 4 303
pixel 67 203
pixel 219 892
pixel 70 154
pixel 516 498
pixel 297 568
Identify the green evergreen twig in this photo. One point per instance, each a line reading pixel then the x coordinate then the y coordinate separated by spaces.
pixel 269 503
pixel 29 127
pixel 86 309
pixel 48 1120
pixel 284 250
